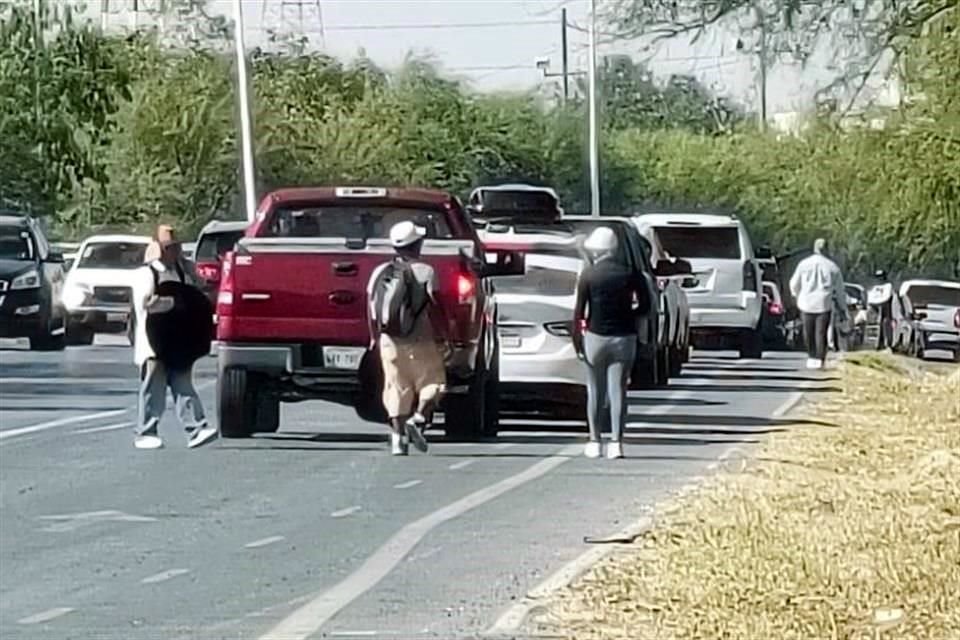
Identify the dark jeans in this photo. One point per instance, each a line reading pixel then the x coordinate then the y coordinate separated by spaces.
pixel 815 328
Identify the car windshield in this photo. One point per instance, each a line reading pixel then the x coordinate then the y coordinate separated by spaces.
pixel 547 274
pixel 719 243
pixel 353 221
pixel 112 255
pixel 213 245
pixel 926 295
pixel 15 244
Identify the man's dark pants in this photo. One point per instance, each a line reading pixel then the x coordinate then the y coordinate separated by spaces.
pixel 815 328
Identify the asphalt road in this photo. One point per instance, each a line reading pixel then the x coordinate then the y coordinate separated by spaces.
pixel 317 531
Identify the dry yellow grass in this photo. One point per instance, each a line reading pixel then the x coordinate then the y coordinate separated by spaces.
pixel 850 531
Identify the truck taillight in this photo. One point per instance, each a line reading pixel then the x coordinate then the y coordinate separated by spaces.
pixel 466 288
pixel 775 308
pixel 225 292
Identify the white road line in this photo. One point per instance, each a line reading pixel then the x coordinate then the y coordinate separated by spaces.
pixel 256 544
pixel 352 634
pixel 45 616
pixel 343 513
pixel 308 619
pixel 408 484
pixel 109 427
pixel 163 576
pixel 67 380
pixel 61 422
pixel 510 622
pixel 461 464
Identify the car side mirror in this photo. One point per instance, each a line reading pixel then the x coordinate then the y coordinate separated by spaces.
pixel 668 268
pixel 55 256
pixel 763 253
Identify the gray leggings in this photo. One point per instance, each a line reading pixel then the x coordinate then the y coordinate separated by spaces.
pixel 609 362
pixel 155 378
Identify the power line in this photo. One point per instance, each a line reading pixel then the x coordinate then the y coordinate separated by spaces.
pixel 448 25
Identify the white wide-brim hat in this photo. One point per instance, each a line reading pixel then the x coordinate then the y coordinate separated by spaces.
pixel 404 234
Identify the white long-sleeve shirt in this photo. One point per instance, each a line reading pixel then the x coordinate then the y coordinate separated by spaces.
pixel 817 285
pixel 143 288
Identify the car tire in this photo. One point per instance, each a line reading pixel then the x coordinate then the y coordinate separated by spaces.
pixel 236 403
pixel 491 402
pixel 644 374
pixel 676 362
pixel 47 340
pixel 751 344
pixel 663 367
pixel 956 355
pixel 79 335
pixel 268 413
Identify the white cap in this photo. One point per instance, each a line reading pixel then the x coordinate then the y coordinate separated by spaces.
pixel 601 240
pixel 404 234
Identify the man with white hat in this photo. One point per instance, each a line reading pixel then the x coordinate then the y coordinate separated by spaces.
pixel 406 323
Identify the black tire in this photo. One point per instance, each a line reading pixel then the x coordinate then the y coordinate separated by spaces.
pixel 78 335
pixel 236 404
pixel 46 340
pixel 956 355
pixel 663 367
pixel 644 374
pixel 268 413
pixel 751 344
pixel 491 401
pixel 676 362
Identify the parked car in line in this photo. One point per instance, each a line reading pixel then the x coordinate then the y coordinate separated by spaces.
pixel 31 281
pixel 930 317
pixel 98 291
pixel 773 318
pixel 215 240
pixel 540 372
pixel 512 204
pixel 292 307
pixel 726 304
pixel 658 334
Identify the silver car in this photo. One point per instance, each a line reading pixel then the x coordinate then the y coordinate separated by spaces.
pixel 931 308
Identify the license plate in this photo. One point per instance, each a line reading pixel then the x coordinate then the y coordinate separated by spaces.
pixel 116 317
pixel 510 342
pixel 343 357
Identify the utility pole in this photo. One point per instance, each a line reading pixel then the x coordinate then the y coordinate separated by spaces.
pixel 246 124
pixel 762 76
pixel 594 152
pixel 563 44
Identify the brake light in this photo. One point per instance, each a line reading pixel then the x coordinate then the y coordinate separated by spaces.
pixel 225 293
pixel 749 276
pixel 210 272
pixel 956 319
pixel 466 288
pixel 775 308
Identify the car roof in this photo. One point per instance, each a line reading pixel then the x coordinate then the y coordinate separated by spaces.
pixel 224 225
pixel 515 187
pixel 946 284
pixel 687 219
pixel 432 197
pixel 117 237
pixel 14 220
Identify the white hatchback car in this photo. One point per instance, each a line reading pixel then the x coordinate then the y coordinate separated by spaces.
pixel 726 302
pixel 99 287
pixel 539 368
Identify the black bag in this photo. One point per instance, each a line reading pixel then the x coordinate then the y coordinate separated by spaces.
pixel 181 336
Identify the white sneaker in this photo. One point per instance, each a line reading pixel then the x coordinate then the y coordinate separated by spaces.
pixel 614 450
pixel 414 434
pixel 592 450
pixel 813 363
pixel 398 445
pixel 202 436
pixel 148 442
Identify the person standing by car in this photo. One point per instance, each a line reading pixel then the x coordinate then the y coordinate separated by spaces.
pixel 881 298
pixel 609 299
pixel 156 374
pixel 405 323
pixel 817 286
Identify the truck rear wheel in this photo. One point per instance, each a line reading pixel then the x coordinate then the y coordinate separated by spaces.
pixel 751 344
pixel 663 367
pixel 78 334
pixel 268 413
pixel 236 405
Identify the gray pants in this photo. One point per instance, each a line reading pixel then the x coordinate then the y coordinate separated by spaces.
pixel 609 362
pixel 154 380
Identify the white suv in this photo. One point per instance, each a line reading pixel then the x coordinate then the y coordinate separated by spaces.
pixel 726 301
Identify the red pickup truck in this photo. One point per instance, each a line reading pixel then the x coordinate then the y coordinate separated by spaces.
pixel 293 310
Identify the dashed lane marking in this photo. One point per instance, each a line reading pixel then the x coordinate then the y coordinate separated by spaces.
pixel 45 616
pixel 163 576
pixel 109 427
pixel 461 464
pixel 256 544
pixel 60 422
pixel 408 484
pixel 343 513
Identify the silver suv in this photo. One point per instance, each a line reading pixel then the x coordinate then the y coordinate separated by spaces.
pixel 726 301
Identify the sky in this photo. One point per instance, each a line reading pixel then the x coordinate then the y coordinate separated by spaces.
pixel 495 44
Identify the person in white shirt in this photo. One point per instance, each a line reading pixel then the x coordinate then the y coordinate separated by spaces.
pixel 817 286
pixel 164 263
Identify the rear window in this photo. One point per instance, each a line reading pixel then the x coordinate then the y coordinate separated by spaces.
pixel 518 202
pixel 540 279
pixel 361 222
pixel 112 255
pixel 15 244
pixel 719 243
pixel 925 295
pixel 215 244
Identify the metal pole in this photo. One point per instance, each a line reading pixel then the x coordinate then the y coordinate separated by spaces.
pixel 594 153
pixel 762 89
pixel 563 44
pixel 246 127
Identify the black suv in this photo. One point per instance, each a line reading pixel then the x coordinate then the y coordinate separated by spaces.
pixel 31 279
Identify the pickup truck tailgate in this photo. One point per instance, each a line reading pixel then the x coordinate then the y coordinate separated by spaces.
pixel 311 289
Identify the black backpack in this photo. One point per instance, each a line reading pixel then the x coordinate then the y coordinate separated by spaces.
pixel 182 335
pixel 398 300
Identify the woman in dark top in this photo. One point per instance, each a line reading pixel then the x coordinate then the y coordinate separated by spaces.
pixel 610 296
